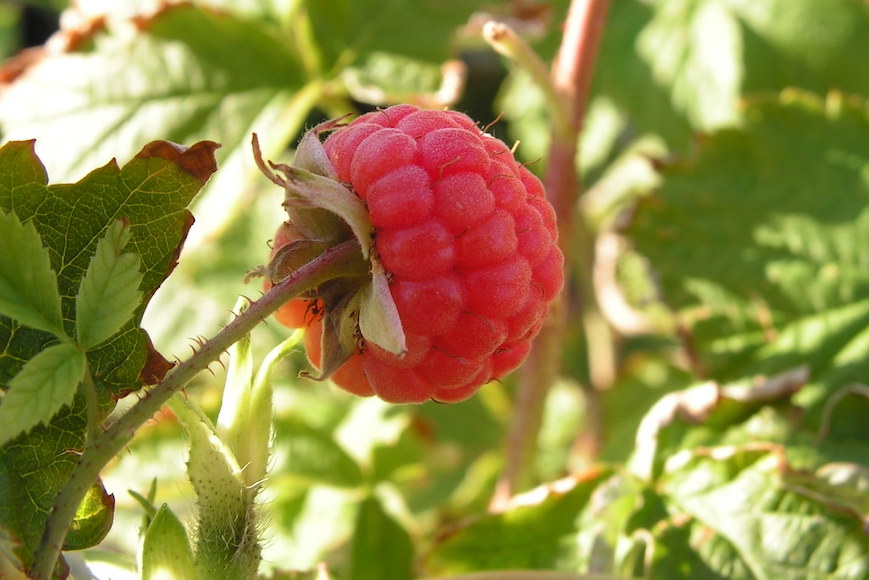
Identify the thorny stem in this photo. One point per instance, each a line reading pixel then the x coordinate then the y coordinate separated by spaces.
pixel 570 82
pixel 109 443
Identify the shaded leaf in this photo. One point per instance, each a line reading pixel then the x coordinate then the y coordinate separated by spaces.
pixel 353 29
pixel 539 531
pixel 313 454
pixel 781 206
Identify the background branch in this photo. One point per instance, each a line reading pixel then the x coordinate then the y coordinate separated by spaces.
pixel 571 79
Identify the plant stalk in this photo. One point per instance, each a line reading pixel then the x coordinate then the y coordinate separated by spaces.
pixel 570 82
pixel 106 445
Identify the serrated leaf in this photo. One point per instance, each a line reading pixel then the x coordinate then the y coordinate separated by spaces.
pixel 781 204
pixel 47 382
pixel 28 285
pixel 151 193
pixel 166 551
pixel 109 292
pixel 381 547
pixel 766 522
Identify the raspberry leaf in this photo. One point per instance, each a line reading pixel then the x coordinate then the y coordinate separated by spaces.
pixel 549 514
pixel 357 29
pixel 117 91
pixel 737 496
pixel 314 455
pixel 771 300
pixel 28 285
pixel 47 382
pixel 150 193
pixel 109 292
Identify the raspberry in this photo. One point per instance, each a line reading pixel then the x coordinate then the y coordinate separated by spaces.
pixel 469 244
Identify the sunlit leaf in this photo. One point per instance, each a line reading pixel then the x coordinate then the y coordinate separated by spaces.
pixel 47 382
pixel 93 519
pixel 28 285
pixel 150 193
pixel 109 292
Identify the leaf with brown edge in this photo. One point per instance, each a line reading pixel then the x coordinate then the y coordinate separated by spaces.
pixel 150 193
pixel 197 160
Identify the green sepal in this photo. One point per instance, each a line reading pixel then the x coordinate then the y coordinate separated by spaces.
pixel 165 551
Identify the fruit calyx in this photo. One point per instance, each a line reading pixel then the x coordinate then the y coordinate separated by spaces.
pixel 356 305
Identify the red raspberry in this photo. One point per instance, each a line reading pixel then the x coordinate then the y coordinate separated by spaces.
pixel 469 243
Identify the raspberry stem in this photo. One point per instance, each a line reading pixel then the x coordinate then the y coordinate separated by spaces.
pixel 102 448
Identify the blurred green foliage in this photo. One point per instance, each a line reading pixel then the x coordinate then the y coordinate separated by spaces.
pixel 725 152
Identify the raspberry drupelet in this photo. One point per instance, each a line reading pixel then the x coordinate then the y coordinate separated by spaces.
pixel 469 244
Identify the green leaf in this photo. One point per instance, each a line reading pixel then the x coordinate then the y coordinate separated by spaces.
pixel 28 285
pixel 759 519
pixel 109 292
pixel 93 519
pixel 352 29
pixel 387 78
pixel 710 414
pixel 790 237
pixel 538 532
pixel 314 455
pixel 190 72
pixel 151 193
pixel 809 44
pixel 694 48
pixel 166 551
pixel 47 382
pixel 381 547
